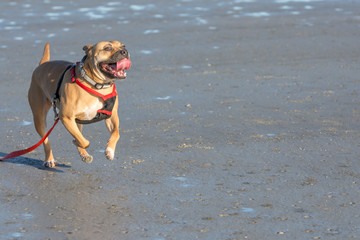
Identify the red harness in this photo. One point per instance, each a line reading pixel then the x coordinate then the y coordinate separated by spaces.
pixel 90 90
pixel 109 100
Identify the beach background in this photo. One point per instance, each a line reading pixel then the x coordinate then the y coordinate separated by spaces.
pixel 239 120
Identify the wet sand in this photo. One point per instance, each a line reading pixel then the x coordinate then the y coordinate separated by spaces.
pixel 239 120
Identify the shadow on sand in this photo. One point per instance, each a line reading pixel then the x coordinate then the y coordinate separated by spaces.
pixel 33 163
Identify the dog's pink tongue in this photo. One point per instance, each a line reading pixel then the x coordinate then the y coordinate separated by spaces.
pixel 123 64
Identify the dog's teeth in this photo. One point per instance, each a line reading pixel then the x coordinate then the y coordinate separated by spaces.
pixel 121 73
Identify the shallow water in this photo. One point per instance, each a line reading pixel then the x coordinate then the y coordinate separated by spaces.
pixel 19 17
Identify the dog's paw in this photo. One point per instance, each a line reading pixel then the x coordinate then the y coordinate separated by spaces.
pixel 87 158
pixel 109 153
pixel 50 164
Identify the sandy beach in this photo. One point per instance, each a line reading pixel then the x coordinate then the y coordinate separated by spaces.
pixel 239 120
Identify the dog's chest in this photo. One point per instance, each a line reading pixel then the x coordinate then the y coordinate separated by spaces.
pixel 89 111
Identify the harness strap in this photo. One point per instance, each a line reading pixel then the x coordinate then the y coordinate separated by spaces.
pixel 104 112
pixel 56 97
pixel 92 91
pixel 57 94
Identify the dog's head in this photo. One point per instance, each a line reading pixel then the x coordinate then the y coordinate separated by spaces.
pixel 107 60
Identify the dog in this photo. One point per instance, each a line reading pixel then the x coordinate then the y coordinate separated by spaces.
pixel 80 93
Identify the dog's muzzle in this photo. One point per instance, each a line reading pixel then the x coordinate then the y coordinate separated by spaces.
pixel 117 65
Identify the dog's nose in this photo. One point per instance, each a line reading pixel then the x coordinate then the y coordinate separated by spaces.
pixel 124 52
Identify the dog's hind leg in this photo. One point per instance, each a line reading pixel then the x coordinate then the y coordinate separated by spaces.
pixel 40 107
pixel 85 157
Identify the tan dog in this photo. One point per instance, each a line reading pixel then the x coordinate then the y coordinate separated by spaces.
pixel 54 84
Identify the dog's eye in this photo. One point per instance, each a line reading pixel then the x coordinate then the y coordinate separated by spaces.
pixel 108 48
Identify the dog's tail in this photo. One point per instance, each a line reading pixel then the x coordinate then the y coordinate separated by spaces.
pixel 46 54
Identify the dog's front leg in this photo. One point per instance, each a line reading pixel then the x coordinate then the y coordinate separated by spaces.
pixel 112 125
pixel 83 153
pixel 79 140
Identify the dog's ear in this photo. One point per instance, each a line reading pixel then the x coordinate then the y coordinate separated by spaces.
pixel 88 49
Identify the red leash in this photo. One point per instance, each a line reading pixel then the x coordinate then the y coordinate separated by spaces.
pixel 22 152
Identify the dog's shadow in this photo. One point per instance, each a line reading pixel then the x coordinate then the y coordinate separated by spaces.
pixel 36 163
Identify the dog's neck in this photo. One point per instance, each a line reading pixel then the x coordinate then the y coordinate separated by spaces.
pixel 91 81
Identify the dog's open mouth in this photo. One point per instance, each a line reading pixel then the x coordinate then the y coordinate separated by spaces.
pixel 117 69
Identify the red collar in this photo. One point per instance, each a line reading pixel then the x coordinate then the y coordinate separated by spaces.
pixel 90 90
